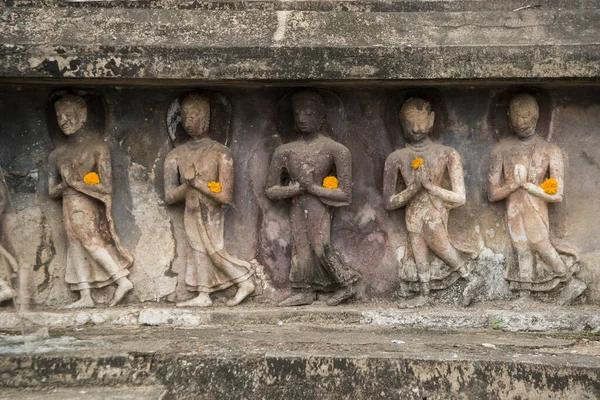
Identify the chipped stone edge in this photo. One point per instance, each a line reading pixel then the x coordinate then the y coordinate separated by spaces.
pixel 511 321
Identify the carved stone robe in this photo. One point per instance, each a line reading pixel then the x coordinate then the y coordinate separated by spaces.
pixel 209 266
pixel 315 264
pixel 527 215
pixel 425 207
pixel 88 220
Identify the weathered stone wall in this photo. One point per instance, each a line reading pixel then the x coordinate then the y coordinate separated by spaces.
pixel 471 118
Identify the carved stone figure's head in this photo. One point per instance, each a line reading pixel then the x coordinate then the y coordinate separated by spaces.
pixel 195 115
pixel 71 113
pixel 523 113
pixel 416 118
pixel 309 111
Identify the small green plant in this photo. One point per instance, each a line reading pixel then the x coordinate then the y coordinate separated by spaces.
pixel 590 335
pixel 496 324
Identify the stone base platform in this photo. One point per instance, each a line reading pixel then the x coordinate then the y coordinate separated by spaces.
pixel 300 360
pixel 498 316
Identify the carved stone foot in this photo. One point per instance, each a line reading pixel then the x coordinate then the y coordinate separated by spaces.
pixel 419 301
pixel 81 303
pixel 341 295
pixel 471 290
pixel 202 300
pixel 523 303
pixel 245 289
pixel 6 293
pixel 572 290
pixel 302 298
pixel 123 287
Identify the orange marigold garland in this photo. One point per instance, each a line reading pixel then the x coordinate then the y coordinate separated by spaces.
pixel 91 178
pixel 331 182
pixel 417 162
pixel 214 187
pixel 550 186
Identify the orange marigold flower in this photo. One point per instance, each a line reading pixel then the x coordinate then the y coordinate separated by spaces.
pixel 550 186
pixel 417 162
pixel 91 178
pixel 214 187
pixel 331 182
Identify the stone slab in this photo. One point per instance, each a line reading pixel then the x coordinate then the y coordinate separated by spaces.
pixel 574 319
pixel 173 44
pixel 312 361
pixel 316 5
pixel 89 393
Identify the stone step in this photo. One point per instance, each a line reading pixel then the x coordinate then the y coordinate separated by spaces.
pixel 316 5
pixel 305 361
pixel 89 393
pixel 542 319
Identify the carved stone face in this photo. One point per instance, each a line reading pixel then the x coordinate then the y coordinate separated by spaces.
pixel 416 120
pixel 523 116
pixel 71 114
pixel 195 116
pixel 308 114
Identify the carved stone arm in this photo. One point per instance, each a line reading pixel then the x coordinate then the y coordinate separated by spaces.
pixel 103 165
pixel 274 190
pixel 342 195
pixel 174 192
pixel 456 196
pixel 56 188
pixel 496 191
pixel 394 200
pixel 3 196
pixel 556 172
pixel 225 179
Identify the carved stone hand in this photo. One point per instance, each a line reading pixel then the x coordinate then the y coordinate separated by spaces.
pixel 520 174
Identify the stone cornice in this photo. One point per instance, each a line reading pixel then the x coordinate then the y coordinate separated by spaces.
pixel 146 44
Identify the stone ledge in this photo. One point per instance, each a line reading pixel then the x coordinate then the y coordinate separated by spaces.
pixel 90 393
pixel 214 46
pixel 569 320
pixel 316 5
pixel 308 361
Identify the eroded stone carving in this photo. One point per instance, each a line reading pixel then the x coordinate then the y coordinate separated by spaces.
pixel 8 265
pixel 200 173
pixel 528 172
pixel 315 172
pixel 431 182
pixel 80 173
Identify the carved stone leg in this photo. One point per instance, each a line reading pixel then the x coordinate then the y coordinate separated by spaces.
pixel 106 260
pixel 550 256
pixel 523 301
pixel 343 276
pixel 6 292
pixel 475 282
pixel 420 252
pixel 437 240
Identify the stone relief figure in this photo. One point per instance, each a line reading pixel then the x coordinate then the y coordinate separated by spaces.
pixel 430 176
pixel 200 173
pixel 315 172
pixel 8 265
pixel 528 172
pixel 80 173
